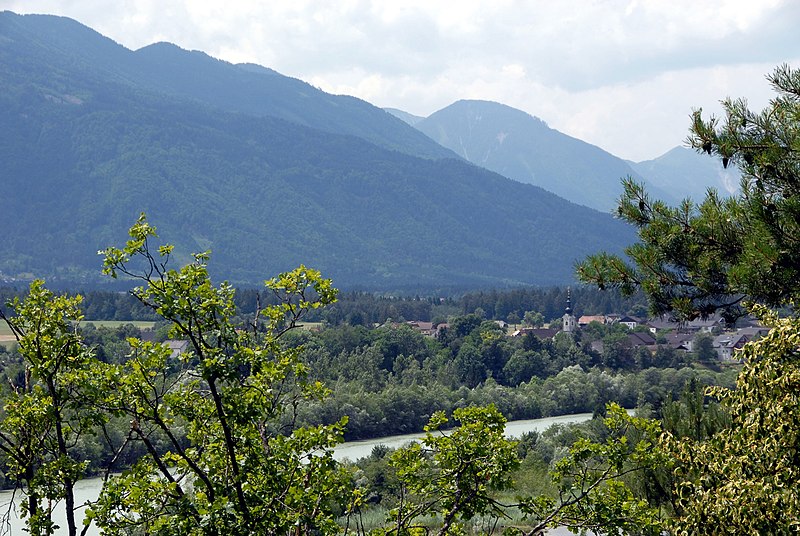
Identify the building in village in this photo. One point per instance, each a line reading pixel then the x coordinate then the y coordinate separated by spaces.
pixel 569 322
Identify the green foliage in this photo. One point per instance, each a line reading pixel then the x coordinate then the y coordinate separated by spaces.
pixel 735 464
pixel 216 437
pixel 47 412
pixel 591 492
pixel 498 304
pixel 742 478
pixel 525 383
pixel 695 259
pixel 704 348
pixel 454 474
pixel 447 480
pixel 534 319
pixel 243 467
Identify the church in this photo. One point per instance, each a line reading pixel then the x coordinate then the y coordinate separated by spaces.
pixel 570 323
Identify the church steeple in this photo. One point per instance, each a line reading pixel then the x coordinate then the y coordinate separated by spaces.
pixel 569 322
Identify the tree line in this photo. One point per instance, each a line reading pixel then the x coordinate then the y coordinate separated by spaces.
pixel 221 429
pixel 367 309
pixel 216 438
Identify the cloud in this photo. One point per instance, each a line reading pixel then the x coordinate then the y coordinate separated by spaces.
pixel 645 119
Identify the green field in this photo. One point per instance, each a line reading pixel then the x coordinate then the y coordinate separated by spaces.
pixel 7 339
pixel 5 331
pixel 141 324
pixel 310 325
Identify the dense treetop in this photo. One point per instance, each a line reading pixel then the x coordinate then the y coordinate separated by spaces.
pixel 714 254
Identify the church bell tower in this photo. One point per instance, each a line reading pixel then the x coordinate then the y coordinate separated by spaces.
pixel 569 322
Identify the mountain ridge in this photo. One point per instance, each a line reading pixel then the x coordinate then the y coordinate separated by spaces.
pixel 166 68
pixel 677 174
pixel 688 174
pixel 85 152
pixel 523 147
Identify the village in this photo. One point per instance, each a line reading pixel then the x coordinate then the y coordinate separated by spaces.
pixel 644 333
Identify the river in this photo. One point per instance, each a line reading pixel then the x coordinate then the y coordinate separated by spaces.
pixel 89 489
pixel 354 450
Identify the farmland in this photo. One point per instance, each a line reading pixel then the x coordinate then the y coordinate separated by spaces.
pixel 7 337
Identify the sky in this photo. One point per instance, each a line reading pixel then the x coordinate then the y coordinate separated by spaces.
pixel 623 75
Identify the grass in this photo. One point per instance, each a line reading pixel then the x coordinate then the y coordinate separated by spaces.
pixel 372 517
pixel 7 338
pixel 376 517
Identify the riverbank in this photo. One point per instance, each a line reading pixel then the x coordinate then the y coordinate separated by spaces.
pixel 88 490
pixel 353 450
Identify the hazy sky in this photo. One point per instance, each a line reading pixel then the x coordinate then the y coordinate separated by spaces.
pixel 624 75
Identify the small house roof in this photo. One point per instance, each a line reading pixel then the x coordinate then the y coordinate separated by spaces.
pixel 586 319
pixel 641 338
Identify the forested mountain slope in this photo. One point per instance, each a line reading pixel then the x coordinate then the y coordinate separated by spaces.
pixel 68 48
pixel 83 153
pixel 522 147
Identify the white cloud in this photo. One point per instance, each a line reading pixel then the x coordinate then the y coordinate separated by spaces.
pixel 646 119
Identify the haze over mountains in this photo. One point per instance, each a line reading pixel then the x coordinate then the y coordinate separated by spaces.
pixel 522 147
pixel 264 170
pixel 684 173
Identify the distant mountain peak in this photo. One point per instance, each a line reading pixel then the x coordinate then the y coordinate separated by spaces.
pixel 265 169
pixel 166 51
pixel 482 107
pixel 686 173
pixel 161 46
pixel 523 147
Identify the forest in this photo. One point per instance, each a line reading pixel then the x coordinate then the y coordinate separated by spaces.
pixel 256 390
pixel 368 309
pixel 235 434
pixel 263 169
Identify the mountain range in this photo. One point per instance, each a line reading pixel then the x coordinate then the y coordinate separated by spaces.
pixel 520 146
pixel 264 170
pixel 684 173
